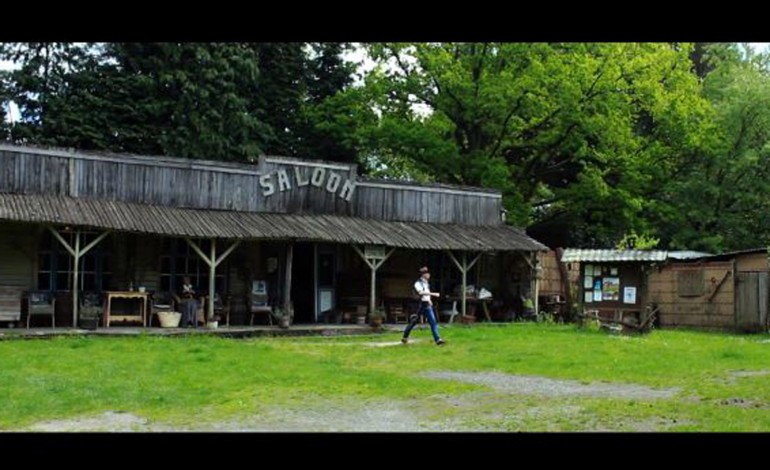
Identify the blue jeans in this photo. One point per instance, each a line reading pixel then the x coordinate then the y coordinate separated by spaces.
pixel 427 310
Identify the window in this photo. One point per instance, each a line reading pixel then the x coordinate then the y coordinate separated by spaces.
pixel 178 260
pixel 689 283
pixel 56 265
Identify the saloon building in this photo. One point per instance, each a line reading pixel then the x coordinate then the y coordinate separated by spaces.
pixel 311 237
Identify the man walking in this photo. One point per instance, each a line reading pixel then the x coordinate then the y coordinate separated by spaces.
pixel 422 288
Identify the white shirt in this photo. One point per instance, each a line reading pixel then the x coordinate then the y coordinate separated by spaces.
pixel 423 286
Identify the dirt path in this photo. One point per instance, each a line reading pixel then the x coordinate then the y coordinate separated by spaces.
pixel 477 411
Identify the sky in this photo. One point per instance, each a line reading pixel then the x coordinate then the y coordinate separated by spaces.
pixel 357 55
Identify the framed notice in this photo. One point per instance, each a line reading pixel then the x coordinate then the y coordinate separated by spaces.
pixel 588 297
pixel 629 295
pixel 597 270
pixel 611 288
pixel 589 270
pixel 597 295
pixel 588 282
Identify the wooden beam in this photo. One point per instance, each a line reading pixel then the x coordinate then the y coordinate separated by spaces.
pixel 374 265
pixel 452 257
pixel 212 278
pixel 200 252
pixel 227 252
pixel 363 256
pixel 75 273
pixel 76 252
pixel 287 296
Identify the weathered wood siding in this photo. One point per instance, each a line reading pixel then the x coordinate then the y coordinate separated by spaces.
pixel 752 262
pixel 227 186
pixel 550 283
pixel 711 309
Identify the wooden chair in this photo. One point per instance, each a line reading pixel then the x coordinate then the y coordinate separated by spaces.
pixel 396 311
pixel 259 305
pixel 161 302
pixel 90 305
pixel 41 303
pixel 222 309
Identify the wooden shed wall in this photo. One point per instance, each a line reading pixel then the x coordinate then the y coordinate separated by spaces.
pixel 752 262
pixel 709 310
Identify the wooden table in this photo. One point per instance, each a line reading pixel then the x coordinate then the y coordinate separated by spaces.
pixel 141 317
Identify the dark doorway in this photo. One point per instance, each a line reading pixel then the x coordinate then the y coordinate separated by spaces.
pixel 302 283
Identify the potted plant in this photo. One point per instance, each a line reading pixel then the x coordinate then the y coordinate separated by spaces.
pixel 377 317
pixel 282 317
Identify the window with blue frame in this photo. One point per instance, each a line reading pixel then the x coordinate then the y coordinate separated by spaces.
pixel 178 260
pixel 56 265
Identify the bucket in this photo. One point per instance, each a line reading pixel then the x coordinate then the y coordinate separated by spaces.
pixel 213 324
pixel 169 319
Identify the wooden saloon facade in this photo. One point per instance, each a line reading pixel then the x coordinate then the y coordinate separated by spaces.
pixel 315 236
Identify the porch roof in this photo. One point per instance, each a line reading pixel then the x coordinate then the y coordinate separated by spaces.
pixel 198 223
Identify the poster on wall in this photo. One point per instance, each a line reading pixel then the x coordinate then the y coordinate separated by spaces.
pixel 589 270
pixel 597 270
pixel 611 288
pixel 598 284
pixel 613 271
pixel 588 297
pixel 629 295
pixel 597 295
pixel 588 282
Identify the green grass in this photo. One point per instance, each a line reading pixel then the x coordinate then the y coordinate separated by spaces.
pixel 197 379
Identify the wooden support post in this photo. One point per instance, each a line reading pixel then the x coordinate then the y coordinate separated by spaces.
pixel 287 296
pixel 374 264
pixel 76 254
pixel 75 276
pixel 464 267
pixel 212 261
pixel 212 277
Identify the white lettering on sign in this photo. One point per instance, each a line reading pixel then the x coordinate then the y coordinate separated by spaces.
pixel 333 183
pixel 347 190
pixel 267 184
pixel 319 177
pixel 283 181
pixel 298 177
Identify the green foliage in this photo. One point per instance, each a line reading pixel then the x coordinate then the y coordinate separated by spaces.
pixel 222 101
pixel 575 135
pixel 632 241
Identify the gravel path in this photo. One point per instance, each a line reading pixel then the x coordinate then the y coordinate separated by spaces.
pixel 494 410
pixel 543 386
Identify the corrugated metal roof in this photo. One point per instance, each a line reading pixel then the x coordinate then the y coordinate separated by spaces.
pixel 688 254
pixel 142 218
pixel 576 254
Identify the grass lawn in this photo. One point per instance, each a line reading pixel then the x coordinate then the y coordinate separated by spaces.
pixel 722 381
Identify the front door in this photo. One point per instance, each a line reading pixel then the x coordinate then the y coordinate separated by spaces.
pixel 326 269
pixel 751 303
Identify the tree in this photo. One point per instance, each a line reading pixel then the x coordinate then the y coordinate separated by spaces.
pixel 719 202
pixel 579 137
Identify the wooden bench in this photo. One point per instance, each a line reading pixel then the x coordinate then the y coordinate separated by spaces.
pixel 10 304
pixel 619 325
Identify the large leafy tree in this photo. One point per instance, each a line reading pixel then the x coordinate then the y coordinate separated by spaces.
pixel 720 201
pixel 579 137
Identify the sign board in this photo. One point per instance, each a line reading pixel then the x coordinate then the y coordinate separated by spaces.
pixel 374 251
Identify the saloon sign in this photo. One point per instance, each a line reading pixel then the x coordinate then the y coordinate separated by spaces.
pixel 320 177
